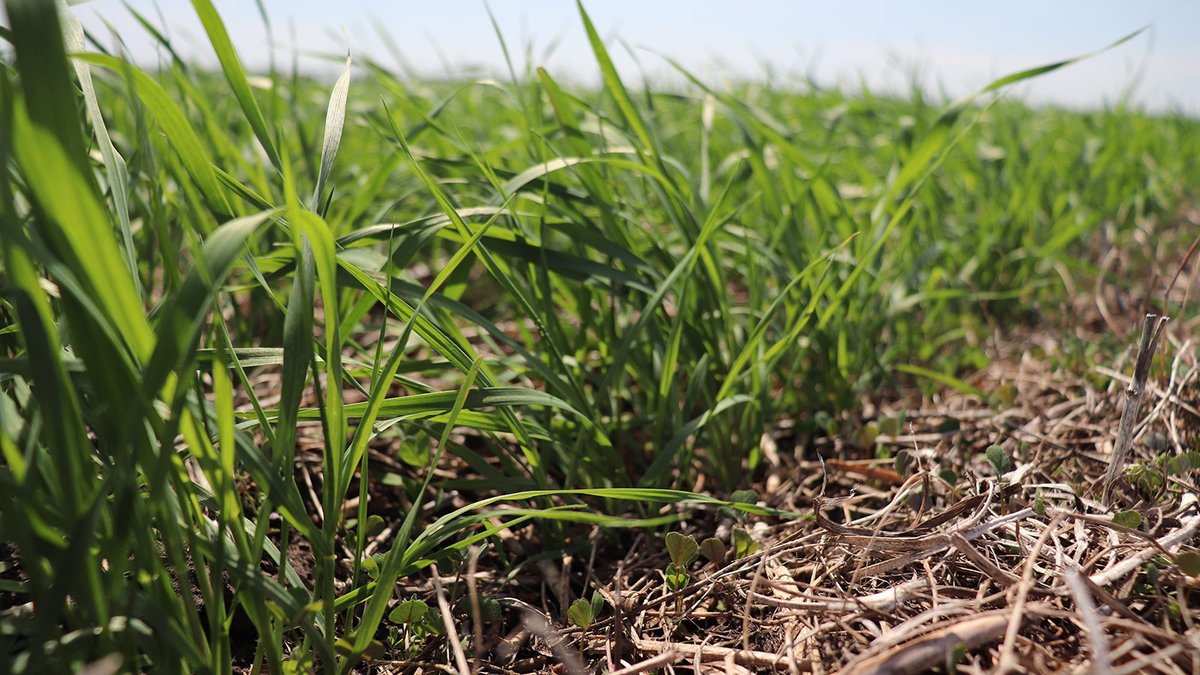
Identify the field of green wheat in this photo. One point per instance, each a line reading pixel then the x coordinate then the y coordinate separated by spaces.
pixel 287 365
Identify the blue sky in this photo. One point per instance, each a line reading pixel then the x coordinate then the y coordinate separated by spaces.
pixel 958 45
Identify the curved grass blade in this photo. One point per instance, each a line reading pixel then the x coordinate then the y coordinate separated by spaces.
pixel 760 329
pixel 297 357
pixel 192 153
pixel 612 81
pixel 335 119
pixel 657 472
pixel 536 462
pixel 48 144
pixel 440 401
pixel 236 76
pixel 682 270
pixel 456 521
pixel 118 172
pixel 941 378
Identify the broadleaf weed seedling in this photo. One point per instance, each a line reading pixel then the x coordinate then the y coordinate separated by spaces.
pixel 743 544
pixel 999 459
pixel 580 613
pixel 583 612
pixel 682 549
pixel 1154 476
pixel 411 622
pixel 714 550
pixel 1189 563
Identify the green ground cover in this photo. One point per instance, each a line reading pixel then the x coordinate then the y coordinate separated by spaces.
pixel 581 299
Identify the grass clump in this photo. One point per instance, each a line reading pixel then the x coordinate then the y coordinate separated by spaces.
pixel 579 300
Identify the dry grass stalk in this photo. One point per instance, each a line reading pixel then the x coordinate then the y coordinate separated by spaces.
pixel 1151 332
pixel 460 658
pixel 1086 609
pixel 931 649
pixel 741 657
pixel 666 658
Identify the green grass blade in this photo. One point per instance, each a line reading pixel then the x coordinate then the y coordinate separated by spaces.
pixel 383 379
pixel 612 81
pixel 941 378
pixel 335 119
pixel 393 563
pixel 192 153
pixel 185 313
pixel 118 171
pixel 297 356
pixel 48 143
pixel 236 76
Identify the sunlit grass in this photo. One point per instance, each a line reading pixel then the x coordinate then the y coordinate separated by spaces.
pixel 605 292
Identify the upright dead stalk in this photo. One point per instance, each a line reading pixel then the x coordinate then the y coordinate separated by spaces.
pixel 1151 332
